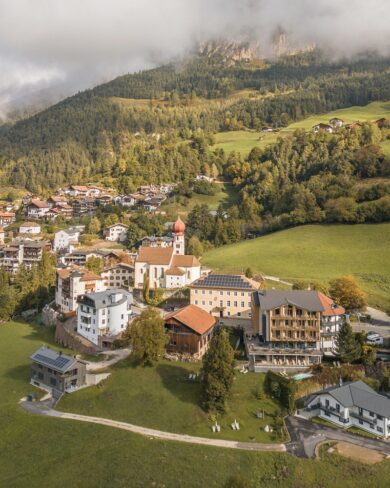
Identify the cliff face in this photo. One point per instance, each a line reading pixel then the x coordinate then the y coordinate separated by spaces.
pixel 248 49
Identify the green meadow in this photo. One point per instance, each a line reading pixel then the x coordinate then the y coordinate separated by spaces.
pixel 243 141
pixel 316 253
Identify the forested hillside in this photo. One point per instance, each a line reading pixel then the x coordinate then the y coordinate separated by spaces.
pixel 136 128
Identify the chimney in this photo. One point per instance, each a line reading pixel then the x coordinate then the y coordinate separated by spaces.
pixel 340 381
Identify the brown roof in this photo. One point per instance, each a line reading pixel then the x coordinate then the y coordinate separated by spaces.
pixel 193 317
pixel 7 214
pixel 330 308
pixel 39 204
pixel 87 275
pixel 155 255
pixel 175 271
pixel 79 187
pixel 186 261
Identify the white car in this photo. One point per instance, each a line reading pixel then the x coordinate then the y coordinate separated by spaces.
pixel 374 339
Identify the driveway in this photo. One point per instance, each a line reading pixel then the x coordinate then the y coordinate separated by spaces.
pixel 306 435
pixel 113 357
pixel 43 408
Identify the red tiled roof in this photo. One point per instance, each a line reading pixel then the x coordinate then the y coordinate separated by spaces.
pixel 185 261
pixel 155 255
pixel 175 271
pixel 330 308
pixel 193 317
pixel 39 204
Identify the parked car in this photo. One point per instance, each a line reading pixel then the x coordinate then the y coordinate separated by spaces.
pixel 374 339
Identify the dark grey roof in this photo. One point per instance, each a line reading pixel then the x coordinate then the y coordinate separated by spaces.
pixel 306 299
pixel 358 394
pixel 53 359
pixel 235 282
pixel 103 299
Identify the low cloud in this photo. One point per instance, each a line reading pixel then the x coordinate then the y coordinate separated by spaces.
pixel 79 43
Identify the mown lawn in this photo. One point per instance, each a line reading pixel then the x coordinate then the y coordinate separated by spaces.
pixel 243 141
pixel 317 253
pixel 162 397
pixel 227 195
pixel 46 452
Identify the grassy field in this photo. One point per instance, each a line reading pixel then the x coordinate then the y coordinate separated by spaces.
pixel 47 452
pixel 244 141
pixel 318 253
pixel 386 147
pixel 227 195
pixel 163 398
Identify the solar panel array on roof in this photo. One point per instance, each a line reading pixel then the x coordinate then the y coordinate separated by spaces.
pixel 224 281
pixel 59 362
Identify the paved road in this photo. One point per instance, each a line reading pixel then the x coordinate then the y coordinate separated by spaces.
pixel 42 408
pixel 305 436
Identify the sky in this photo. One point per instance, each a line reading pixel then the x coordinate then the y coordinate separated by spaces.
pixel 70 45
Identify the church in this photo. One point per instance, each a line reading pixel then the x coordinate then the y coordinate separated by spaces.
pixel 167 267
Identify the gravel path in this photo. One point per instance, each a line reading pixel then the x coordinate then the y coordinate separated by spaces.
pixel 43 409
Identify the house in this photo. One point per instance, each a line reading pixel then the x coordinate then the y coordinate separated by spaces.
pixel 37 209
pixel 352 404
pixel 153 241
pixel 57 371
pixel 29 228
pixel 22 251
pixel 77 190
pixel 336 123
pixel 204 177
pixel 55 200
pixel 224 296
pixel 64 209
pixel 83 206
pixel 118 276
pixel 332 317
pixel 167 267
pixel 103 316
pixel 190 330
pixel 93 191
pixel 65 239
pixel 73 282
pixel 325 127
pixel 353 125
pixel 382 123
pixel 126 201
pixel 104 200
pixel 287 328
pixel 7 218
pixel 116 232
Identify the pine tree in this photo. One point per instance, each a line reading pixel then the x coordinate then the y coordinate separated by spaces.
pixel 147 336
pixel 346 346
pixel 217 372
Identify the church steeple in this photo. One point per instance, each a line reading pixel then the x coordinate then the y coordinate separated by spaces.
pixel 178 229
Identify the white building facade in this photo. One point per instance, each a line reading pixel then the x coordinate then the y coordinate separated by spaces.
pixel 103 314
pixel 353 404
pixel 116 233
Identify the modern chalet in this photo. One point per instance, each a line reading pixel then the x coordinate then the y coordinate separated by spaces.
pixel 56 371
pixel 352 404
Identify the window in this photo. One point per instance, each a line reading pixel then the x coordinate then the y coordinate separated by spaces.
pixel 235 293
pixel 210 292
pixel 122 316
pixel 53 382
pixel 221 292
pixel 228 303
pixel 360 421
pixel 242 304
pixel 379 429
pixel 228 293
pixel 337 407
pixel 379 417
pixel 203 302
pixel 196 302
pixel 326 403
pixel 40 376
pixel 242 294
pixel 203 292
pixel 210 302
pixel 93 331
pixel 371 414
